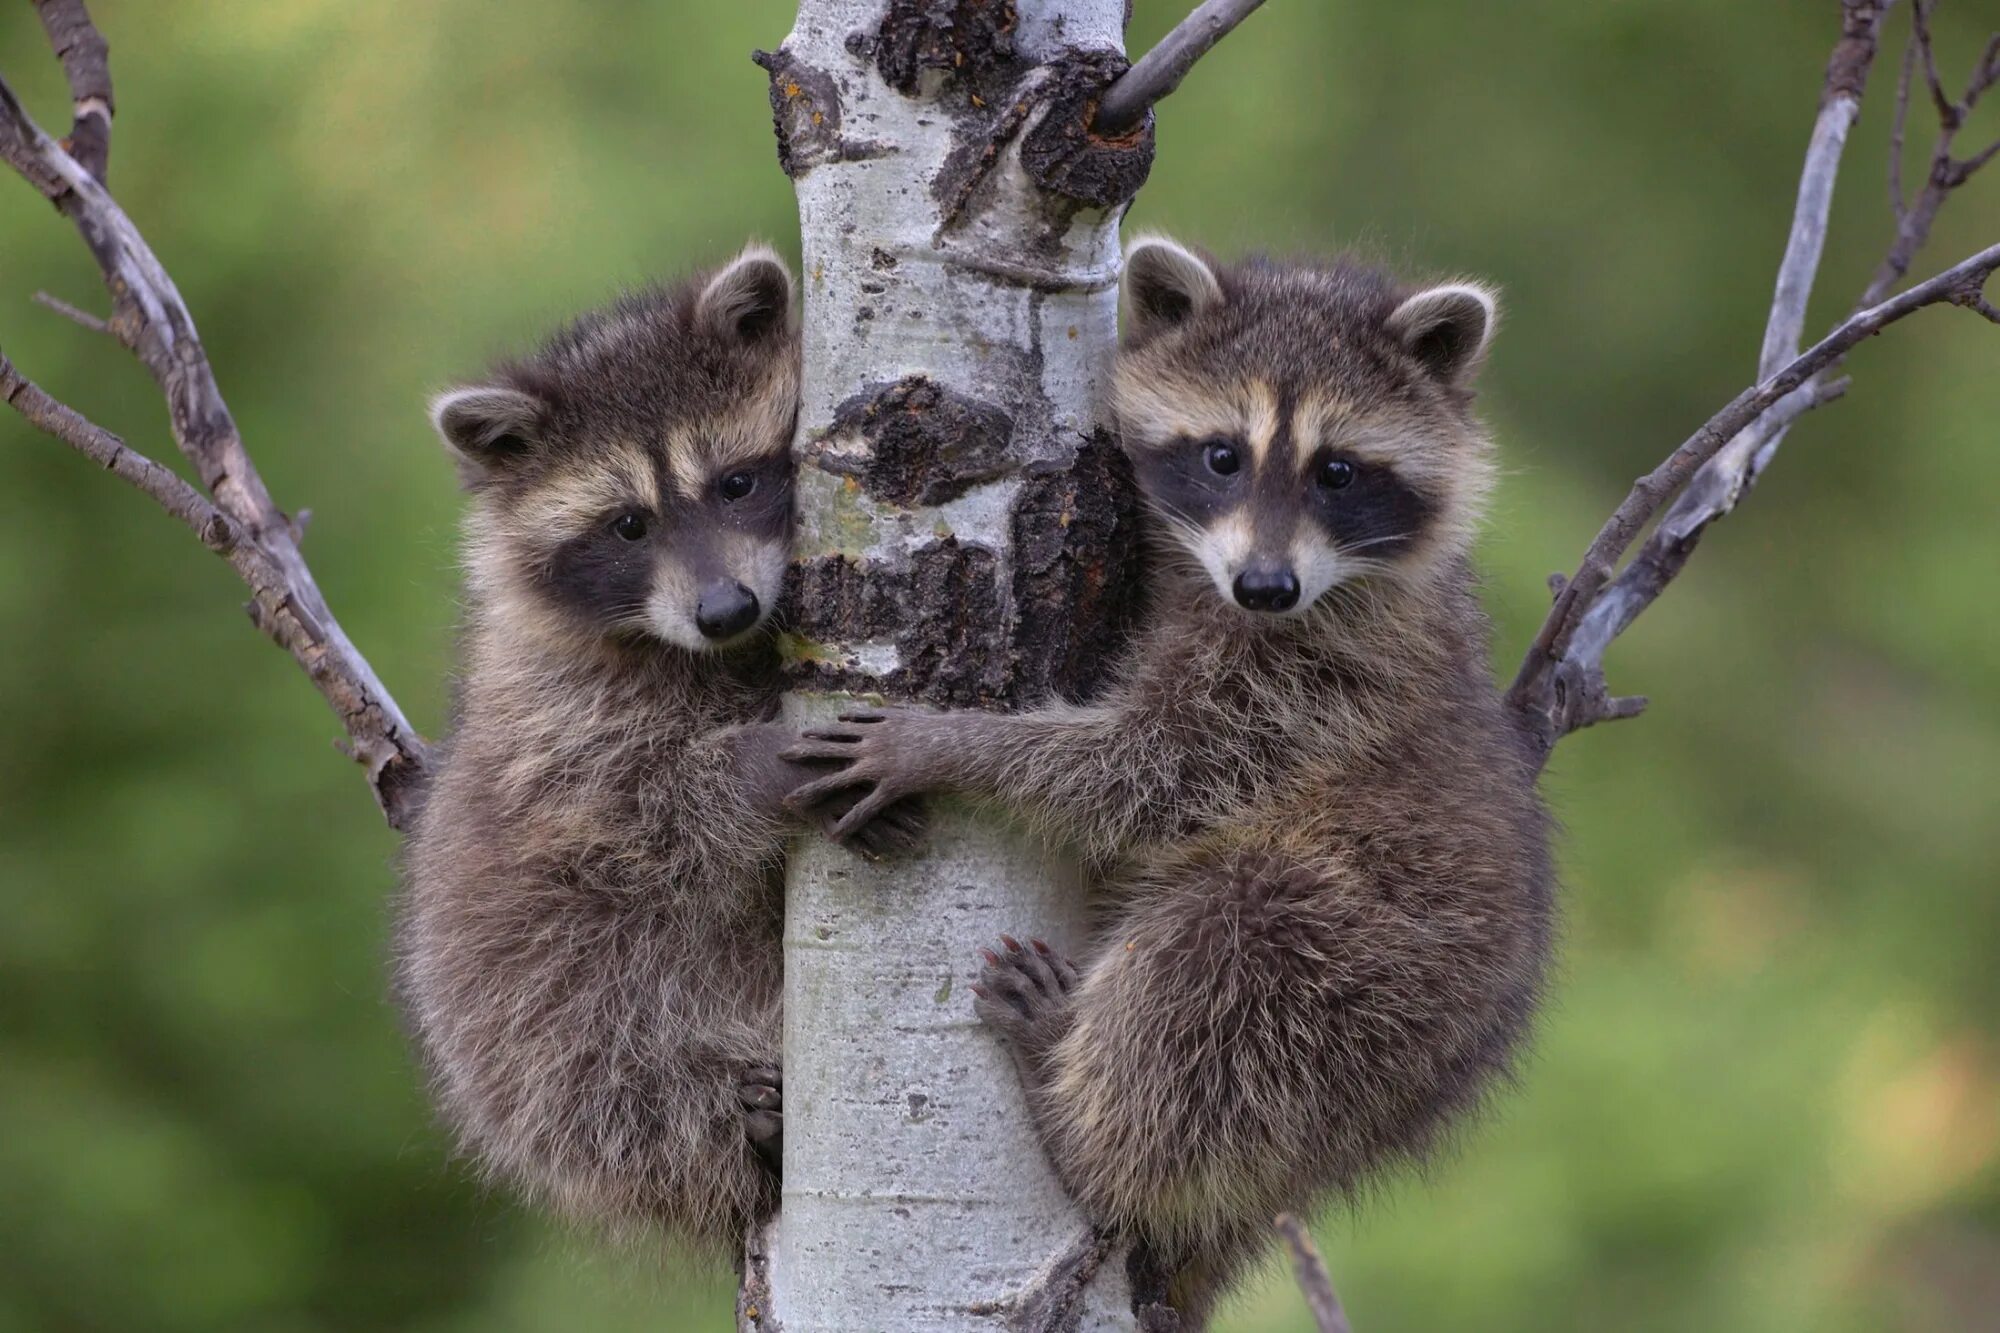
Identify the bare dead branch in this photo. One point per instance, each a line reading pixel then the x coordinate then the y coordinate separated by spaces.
pixel 150 319
pixel 1560 686
pixel 1161 69
pixel 1720 482
pixel 72 313
pixel 1897 207
pixel 1963 169
pixel 86 63
pixel 1946 172
pixel 274 607
pixel 1807 239
pixel 1310 1269
pixel 112 454
pixel 1920 17
pixel 1713 493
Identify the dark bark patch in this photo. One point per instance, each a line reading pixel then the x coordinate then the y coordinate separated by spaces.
pixel 976 144
pixel 805 115
pixel 1064 156
pixel 1078 571
pixel 969 42
pixel 1076 167
pixel 941 608
pixel 926 444
pixel 972 630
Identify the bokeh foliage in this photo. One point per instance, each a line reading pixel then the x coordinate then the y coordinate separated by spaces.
pixel 1767 1096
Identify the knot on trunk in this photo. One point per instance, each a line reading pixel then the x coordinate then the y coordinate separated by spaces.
pixel 926 445
pixel 1065 156
pixel 962 45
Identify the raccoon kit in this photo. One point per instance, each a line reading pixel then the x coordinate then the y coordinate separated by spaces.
pixel 589 944
pixel 1326 899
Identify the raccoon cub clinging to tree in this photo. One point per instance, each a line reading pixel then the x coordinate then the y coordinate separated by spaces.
pixel 1327 900
pixel 590 937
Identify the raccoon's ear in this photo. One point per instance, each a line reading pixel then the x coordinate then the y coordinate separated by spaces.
pixel 1165 284
pixel 487 427
pixel 1447 328
pixel 749 300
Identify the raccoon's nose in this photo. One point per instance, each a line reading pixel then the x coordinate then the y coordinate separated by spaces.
pixel 1267 588
pixel 725 610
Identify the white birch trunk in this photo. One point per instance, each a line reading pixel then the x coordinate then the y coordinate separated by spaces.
pixel 915 1195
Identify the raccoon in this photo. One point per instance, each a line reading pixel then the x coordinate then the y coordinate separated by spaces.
pixel 1325 898
pixel 589 938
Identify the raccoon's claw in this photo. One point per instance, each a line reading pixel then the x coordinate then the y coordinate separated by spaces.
pixel 1023 994
pixel 865 810
pixel 897 831
pixel 761 1094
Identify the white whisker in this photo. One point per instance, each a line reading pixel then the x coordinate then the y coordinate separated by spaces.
pixel 1376 541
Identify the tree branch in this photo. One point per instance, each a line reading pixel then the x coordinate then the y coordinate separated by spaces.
pixel 86 63
pixel 1721 481
pixel 150 319
pixel 753 1288
pixel 1161 69
pixel 1897 206
pixel 100 446
pixel 1312 1276
pixel 1561 685
pixel 71 313
pixel 1946 173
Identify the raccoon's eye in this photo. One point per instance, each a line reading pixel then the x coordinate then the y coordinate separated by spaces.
pixel 1336 473
pixel 1221 457
pixel 629 526
pixel 737 485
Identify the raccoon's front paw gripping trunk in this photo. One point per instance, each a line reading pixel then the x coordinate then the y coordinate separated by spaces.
pixel 882 760
pixel 1075 771
pixel 762 758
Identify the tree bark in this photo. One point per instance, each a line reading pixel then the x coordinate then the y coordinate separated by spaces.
pixel 968 538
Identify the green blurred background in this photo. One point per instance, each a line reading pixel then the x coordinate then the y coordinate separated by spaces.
pixel 1767 1095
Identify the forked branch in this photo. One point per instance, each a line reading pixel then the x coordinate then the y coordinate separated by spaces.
pixel 238 517
pixel 86 62
pixel 1561 685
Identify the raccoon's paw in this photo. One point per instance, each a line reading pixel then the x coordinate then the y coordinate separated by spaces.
pixel 881 758
pixel 761 1092
pixel 1023 995
pixel 898 831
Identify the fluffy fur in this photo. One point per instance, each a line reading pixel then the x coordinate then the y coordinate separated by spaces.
pixel 1326 899
pixel 590 936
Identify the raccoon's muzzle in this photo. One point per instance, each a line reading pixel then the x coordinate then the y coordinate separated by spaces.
pixel 725 609
pixel 1266 586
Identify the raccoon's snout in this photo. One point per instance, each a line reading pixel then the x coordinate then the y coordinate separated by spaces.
pixel 725 609
pixel 1266 587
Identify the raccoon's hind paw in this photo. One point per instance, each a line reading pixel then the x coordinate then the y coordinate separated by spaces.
pixel 1023 995
pixel 761 1091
